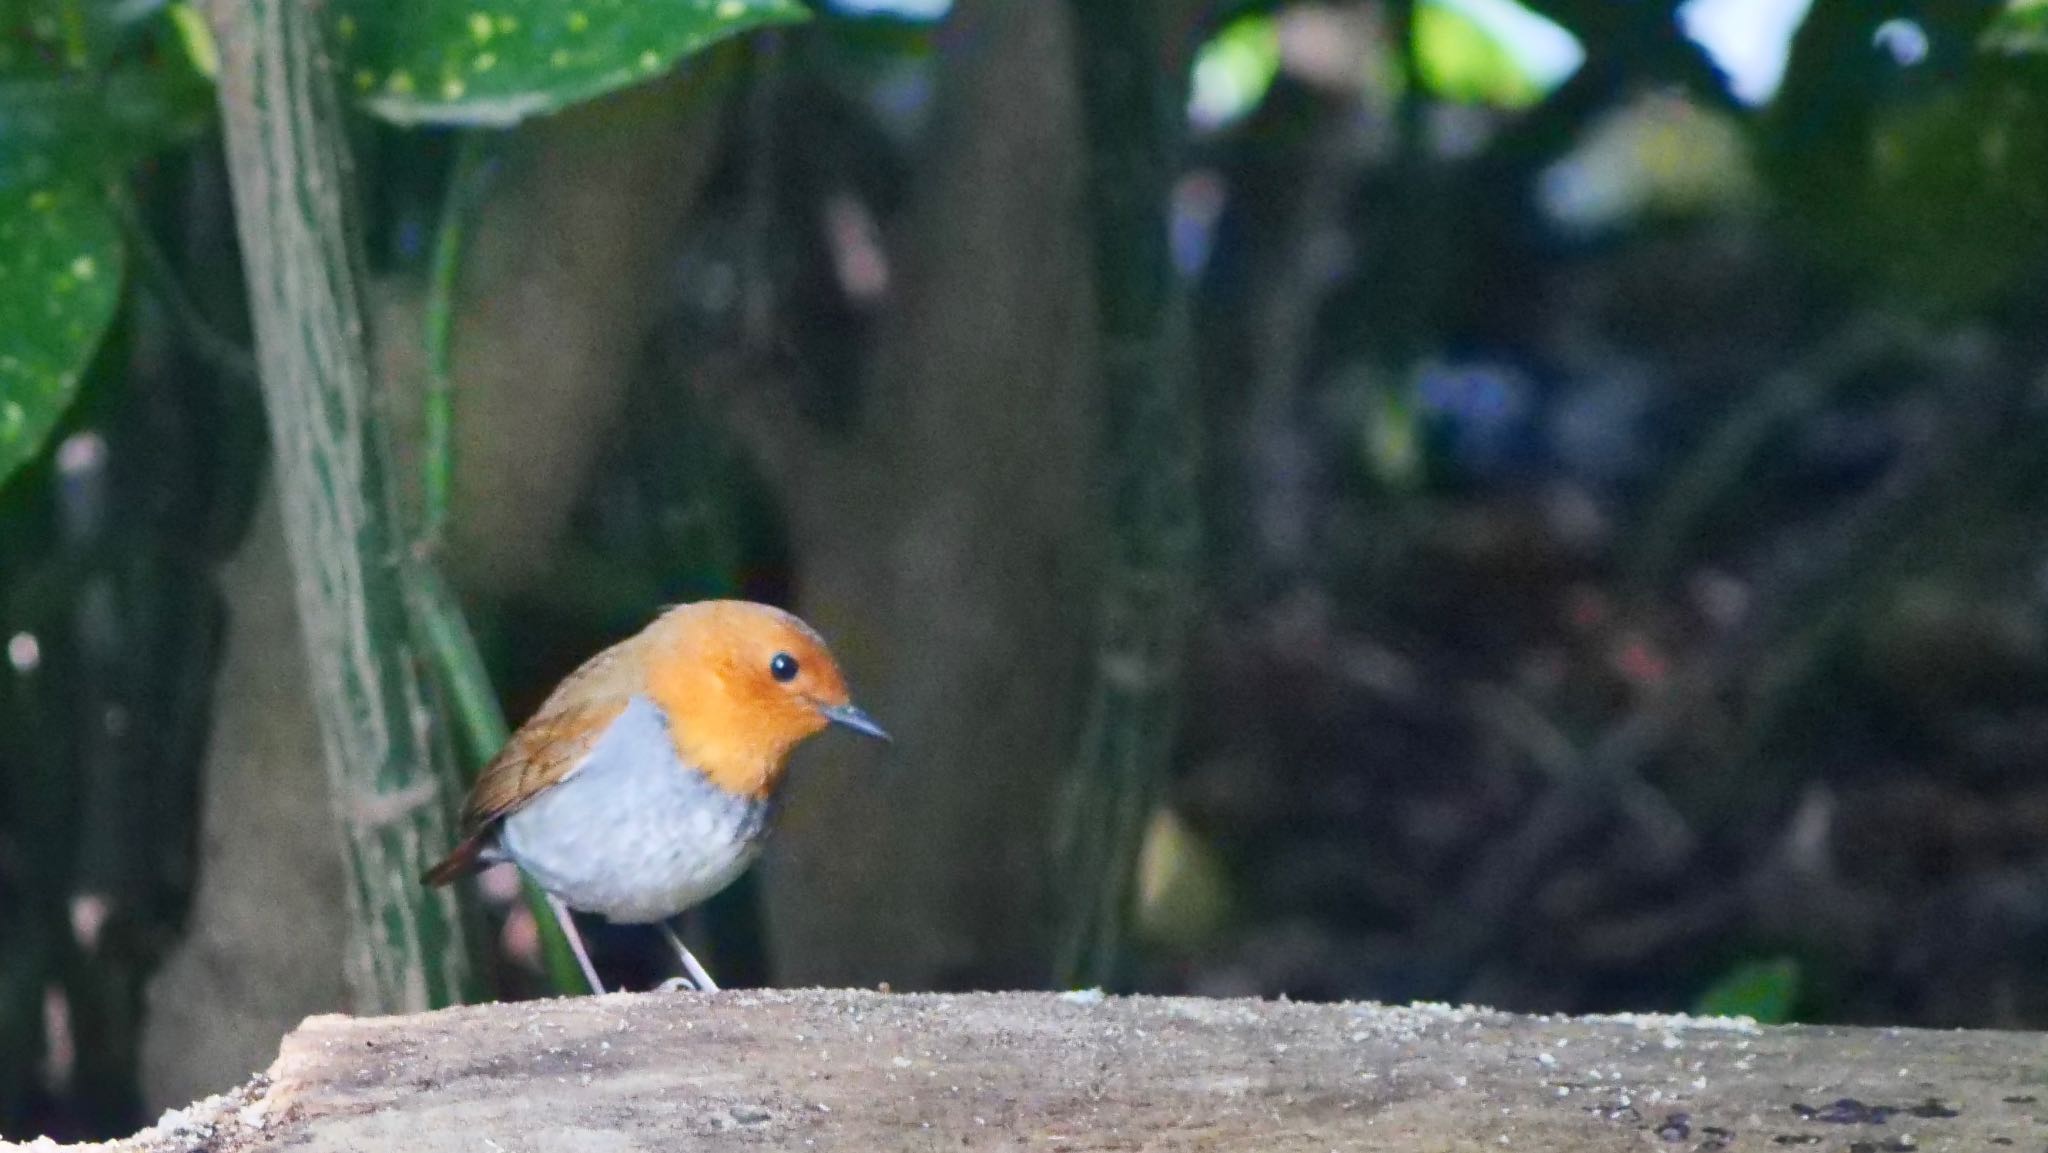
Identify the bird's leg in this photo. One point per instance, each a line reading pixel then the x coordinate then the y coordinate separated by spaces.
pixel 568 924
pixel 698 977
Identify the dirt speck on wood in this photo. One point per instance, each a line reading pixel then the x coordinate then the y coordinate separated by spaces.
pixel 840 1070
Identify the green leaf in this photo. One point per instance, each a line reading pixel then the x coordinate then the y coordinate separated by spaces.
pixel 1763 990
pixel 60 282
pixel 497 62
pixel 87 90
pixel 1233 71
pixel 39 31
pixel 60 126
pixel 196 39
pixel 2021 28
pixel 1464 60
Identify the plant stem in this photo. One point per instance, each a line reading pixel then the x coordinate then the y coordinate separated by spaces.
pixel 466 184
pixel 481 730
pixel 391 780
pixel 200 333
pixel 479 720
pixel 1131 113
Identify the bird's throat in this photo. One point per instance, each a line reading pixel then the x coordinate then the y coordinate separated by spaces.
pixel 739 766
pixel 729 746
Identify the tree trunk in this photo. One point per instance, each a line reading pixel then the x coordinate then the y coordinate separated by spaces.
pixel 392 784
pixel 824 1070
pixel 556 304
pixel 268 930
pixel 946 548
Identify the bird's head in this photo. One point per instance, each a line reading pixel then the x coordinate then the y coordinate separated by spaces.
pixel 744 684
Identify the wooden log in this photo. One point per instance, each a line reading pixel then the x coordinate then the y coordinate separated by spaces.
pixel 835 1070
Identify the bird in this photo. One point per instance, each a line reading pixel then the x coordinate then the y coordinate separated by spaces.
pixel 647 781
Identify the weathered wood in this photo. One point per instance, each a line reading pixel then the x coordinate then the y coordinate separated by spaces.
pixel 830 1070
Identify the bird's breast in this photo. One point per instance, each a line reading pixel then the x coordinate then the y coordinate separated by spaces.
pixel 633 832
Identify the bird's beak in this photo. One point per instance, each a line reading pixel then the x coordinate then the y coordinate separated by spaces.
pixel 854 719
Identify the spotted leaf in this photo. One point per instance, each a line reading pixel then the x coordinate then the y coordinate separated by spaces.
pixel 60 282
pixel 501 61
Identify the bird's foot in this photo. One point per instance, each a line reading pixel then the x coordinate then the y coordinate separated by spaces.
pixel 699 979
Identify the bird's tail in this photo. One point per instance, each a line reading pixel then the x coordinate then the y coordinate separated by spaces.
pixel 466 859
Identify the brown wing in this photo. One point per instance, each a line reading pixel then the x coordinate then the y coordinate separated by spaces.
pixel 539 755
pixel 554 740
pixel 543 751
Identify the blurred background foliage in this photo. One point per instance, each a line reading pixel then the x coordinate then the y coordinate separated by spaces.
pixel 1621 434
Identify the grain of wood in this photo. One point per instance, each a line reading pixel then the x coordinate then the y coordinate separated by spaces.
pixel 835 1070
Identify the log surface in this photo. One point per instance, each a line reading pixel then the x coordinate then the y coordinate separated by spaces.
pixel 835 1070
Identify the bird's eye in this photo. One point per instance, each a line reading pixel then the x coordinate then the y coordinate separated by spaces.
pixel 783 668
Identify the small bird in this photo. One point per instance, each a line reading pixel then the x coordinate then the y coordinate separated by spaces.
pixel 646 782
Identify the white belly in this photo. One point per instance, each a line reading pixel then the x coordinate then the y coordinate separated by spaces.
pixel 633 833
